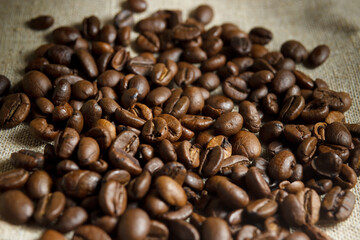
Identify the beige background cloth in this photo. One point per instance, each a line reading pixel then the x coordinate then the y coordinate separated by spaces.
pixel 313 22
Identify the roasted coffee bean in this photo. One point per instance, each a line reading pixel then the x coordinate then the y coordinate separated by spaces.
pixel 60 54
pixel 247 144
pixel 211 160
pixel 155 130
pixel 88 232
pixel 256 183
pixel 108 33
pixel 251 116
pixel 318 55
pixel 92 112
pixel 49 208
pixel 196 122
pixel 235 88
pixel 72 218
pixel 216 105
pixel 28 159
pixel 242 45
pixel 41 22
pixel 292 108
pixel 260 78
pixel 65 35
pixel 188 154
pixel 180 229
pixel 296 133
pixel 148 41
pixel 82 90
pixel 41 130
pixel 327 164
pixel 66 142
pixel 16 207
pixel 338 204
pixel 260 35
pixel 228 123
pixel 137 5
pixel 87 63
pixel 321 186
pixel 270 131
pixel 215 228
pixel 354 160
pixel 282 81
pixel 292 211
pixel 310 201
pixel 152 24
pixel 341 151
pixel 336 133
pixel 170 191
pixel 39 184
pixel 347 178
pixel 139 186
pixel 294 50
pixel 338 101
pixel 315 111
pixel 123 160
pixel 124 19
pixel 113 198
pixel 62 112
pixel 262 208
pixel 213 63
pixel 334 116
pixel 177 105
pixel 14 110
pixel 158 96
pixel 80 183
pixel 62 92
pixel 13 179
pixel 197 100
pixel 88 151
pixel 306 149
pixel 52 235
pixel 129 119
pixel 134 224
pixel 186 31
pixel 281 165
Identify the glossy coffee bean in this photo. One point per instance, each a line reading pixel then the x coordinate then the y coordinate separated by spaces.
pixel 52 235
pixel 215 228
pixel 13 179
pixel 318 55
pixel 247 144
pixel 80 183
pixel 72 218
pixel 113 198
pixel 294 50
pixel 134 225
pixel 16 207
pixel 14 110
pixel 281 165
pixel 39 184
pixel 251 116
pixel 228 124
pixel 49 208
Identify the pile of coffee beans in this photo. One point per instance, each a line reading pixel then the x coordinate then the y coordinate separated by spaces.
pixel 205 134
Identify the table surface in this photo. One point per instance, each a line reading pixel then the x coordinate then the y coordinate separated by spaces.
pixel 312 22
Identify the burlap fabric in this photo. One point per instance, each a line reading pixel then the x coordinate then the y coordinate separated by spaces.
pixel 335 23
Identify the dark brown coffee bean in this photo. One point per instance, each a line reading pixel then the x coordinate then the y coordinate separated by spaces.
pixel 158 96
pixel 137 5
pixel 213 63
pixel 321 186
pixel 152 24
pixel 120 58
pixel 162 73
pixel 82 90
pixel 270 104
pixel 215 228
pixel 62 113
pixel 270 131
pixel 41 130
pixel 148 41
pixel 89 232
pixel 338 101
pixel 66 142
pixel 310 201
pixel 296 133
pixel 235 88
pixel 256 183
pixel 170 191
pixel 292 211
pixel 180 229
pixel 281 165
pixel 174 127
pixel 303 80
pixel 80 183
pixel 282 81
pixel 41 22
pixel 186 31
pixel 228 124
pixel 124 19
pixel 36 84
pixel 113 198
pixel 260 35
pixel 155 130
pixel 242 45
pixel 64 35
pixel 60 54
pixel 72 218
pixel 108 33
pixel 188 154
pixel 347 178
pixel 91 26
pixel 292 108
pixel 294 50
pixel 327 164
pixel 211 160
pixel 315 111
pixel 110 78
pixel 216 105
pixel 134 224
pixel 62 92
pixel 92 112
pixel 196 122
pixel 16 207
pixel 177 105
pixel 251 116
pixel 338 204
pixel 87 63
pixel 49 208
pixel 337 133
pixel 13 179
pixel 203 13
pixel 88 151
pixel 197 100
pixel 314 232
pixel 247 144
pixel 318 55
pixel 260 78
pixel 28 159
pixel 39 184
pixel 139 186
pixel 262 208
pixel 306 149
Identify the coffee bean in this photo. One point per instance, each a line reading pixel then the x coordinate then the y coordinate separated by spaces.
pixel 338 204
pixel 49 208
pixel 13 179
pixel 88 232
pixel 318 55
pixel 256 182
pixel 16 207
pixel 72 218
pixel 137 5
pixel 242 45
pixel 14 110
pixel 251 116
pixel 337 133
pixel 229 123
pixel 213 63
pixel 39 184
pixel 327 164
pixel 152 24
pixel 260 35
pixel 148 41
pixel 315 111
pixel 292 211
pixel 215 228
pixel 338 101
pixel 124 19
pixel 41 22
pixel 262 208
pixel 294 50
pixel 281 165
pixel 235 88
pixel 113 198
pixel 270 131
pixel 80 183
pixel 247 144
pixel 170 191
pixel 64 35
pixel 123 160
pixel 296 133
pixel 186 32
pixel 292 108
pixel 134 224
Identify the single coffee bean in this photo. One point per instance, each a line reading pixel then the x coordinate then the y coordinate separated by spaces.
pixel 72 218
pixel 260 35
pixel 338 101
pixel 310 201
pixel 113 198
pixel 347 178
pixel 124 19
pixel 139 186
pixel 251 116
pixel 292 108
pixel 158 96
pixel 14 110
pixel 41 22
pixel 315 111
pixel 87 63
pixel 188 154
pixel 328 164
pixel 296 133
pixel 152 24
pixel 13 179
pixel 341 151
pixel 49 208
pixel 80 183
pixel 294 50
pixel 228 123
pixel 137 5
pixel 292 211
pixel 134 224
pixel 52 235
pixel 215 228
pixel 262 208
pixel 180 229
pixel 306 149
pixel 186 32
pixel 39 184
pixel 338 204
pixel 66 143
pixel 155 130
pixel 88 151
pixel 170 191
pixel 337 133
pixel 247 144
pixel 281 165
pixel 123 160
pixel 16 207
pixel 270 131
pixel 89 232
pixel 318 55
pixel 256 183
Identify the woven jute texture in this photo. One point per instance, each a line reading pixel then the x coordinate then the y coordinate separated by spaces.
pixel 313 22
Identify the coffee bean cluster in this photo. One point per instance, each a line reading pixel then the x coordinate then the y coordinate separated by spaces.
pixel 144 148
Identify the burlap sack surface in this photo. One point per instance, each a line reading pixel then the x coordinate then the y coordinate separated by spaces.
pixel 313 22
